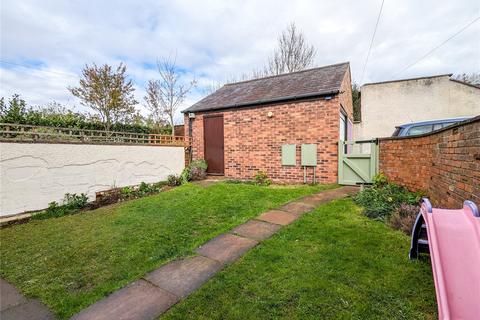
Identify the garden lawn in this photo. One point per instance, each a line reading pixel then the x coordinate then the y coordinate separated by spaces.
pixel 74 261
pixel 333 263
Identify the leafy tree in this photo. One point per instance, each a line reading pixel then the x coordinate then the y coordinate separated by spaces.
pixel 3 107
pixel 107 92
pixel 292 53
pixel 15 111
pixel 356 99
pixel 56 115
pixel 165 95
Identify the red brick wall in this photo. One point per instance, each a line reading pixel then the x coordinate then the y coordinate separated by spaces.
pixel 345 97
pixel 445 164
pixel 253 141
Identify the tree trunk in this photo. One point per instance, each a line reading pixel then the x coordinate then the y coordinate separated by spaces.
pixel 173 126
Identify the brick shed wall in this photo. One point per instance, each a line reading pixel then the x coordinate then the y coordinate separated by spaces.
pixel 252 141
pixel 445 164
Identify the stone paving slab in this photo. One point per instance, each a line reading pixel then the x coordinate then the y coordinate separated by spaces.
pixel 139 300
pixel 9 296
pixel 147 299
pixel 226 248
pixel 256 229
pixel 182 277
pixel 278 217
pixel 13 305
pixel 31 310
pixel 297 207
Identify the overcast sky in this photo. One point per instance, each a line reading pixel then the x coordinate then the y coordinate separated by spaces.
pixel 45 44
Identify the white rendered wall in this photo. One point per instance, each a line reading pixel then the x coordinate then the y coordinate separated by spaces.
pixel 390 104
pixel 33 175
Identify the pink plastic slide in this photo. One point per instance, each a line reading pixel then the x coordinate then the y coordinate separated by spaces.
pixel 452 237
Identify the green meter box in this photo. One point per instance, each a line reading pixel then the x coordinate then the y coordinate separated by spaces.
pixel 289 155
pixel 309 155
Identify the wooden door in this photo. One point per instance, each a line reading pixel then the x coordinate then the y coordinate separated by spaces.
pixel 213 143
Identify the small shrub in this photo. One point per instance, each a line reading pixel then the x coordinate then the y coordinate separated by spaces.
pixel 71 203
pixel 261 179
pixel 184 176
pixel 127 192
pixel 380 180
pixel 146 188
pixel 174 180
pixel 54 210
pixel 403 218
pixel 141 190
pixel 75 201
pixel 196 170
pixel 382 199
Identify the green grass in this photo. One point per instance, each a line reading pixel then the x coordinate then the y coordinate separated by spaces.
pixel 73 261
pixel 331 264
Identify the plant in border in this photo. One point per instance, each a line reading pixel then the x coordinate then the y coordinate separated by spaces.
pixel 384 197
pixel 196 170
pixel 380 180
pixel 403 218
pixel 174 180
pixel 141 190
pixel 72 202
pixel 261 179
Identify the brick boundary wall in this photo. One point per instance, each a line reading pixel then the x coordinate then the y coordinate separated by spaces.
pixel 444 163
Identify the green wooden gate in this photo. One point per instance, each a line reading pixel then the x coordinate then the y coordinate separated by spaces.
pixel 357 161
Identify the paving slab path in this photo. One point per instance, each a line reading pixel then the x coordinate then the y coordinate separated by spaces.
pixel 151 296
pixel 13 305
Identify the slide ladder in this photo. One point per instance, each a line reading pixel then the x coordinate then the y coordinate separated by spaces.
pixel 452 238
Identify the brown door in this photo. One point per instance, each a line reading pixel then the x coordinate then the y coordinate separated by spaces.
pixel 213 141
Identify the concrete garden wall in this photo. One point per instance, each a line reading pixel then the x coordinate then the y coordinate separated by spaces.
pixel 35 174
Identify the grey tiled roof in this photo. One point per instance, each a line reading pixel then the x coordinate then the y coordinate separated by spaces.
pixel 307 83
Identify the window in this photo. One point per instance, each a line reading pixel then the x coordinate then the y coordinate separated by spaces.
pixel 343 127
pixel 413 131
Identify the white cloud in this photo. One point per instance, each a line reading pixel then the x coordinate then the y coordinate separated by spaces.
pixel 216 39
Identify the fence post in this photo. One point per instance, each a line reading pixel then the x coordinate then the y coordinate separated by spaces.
pixel 373 159
pixel 340 161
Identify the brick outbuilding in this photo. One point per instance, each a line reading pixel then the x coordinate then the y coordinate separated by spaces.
pixel 240 129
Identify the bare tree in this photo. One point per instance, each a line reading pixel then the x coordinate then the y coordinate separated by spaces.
pixel 292 53
pixel 165 95
pixel 107 92
pixel 154 103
